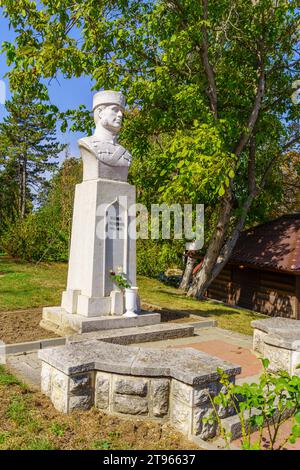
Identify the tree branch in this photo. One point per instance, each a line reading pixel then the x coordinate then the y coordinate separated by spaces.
pixel 251 166
pixel 210 75
pixel 202 49
pixel 254 113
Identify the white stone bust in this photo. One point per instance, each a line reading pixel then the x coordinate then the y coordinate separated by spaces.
pixel 102 156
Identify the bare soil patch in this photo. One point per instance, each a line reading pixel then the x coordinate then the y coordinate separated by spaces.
pixel 20 326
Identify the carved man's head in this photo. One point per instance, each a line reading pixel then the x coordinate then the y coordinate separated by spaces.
pixel 110 117
pixel 108 110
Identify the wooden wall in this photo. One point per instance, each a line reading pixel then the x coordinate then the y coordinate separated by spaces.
pixel 272 293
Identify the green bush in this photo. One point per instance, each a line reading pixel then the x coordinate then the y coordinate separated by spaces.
pixel 155 256
pixel 36 238
pixel 266 404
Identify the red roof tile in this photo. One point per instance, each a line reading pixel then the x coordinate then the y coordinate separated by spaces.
pixel 272 245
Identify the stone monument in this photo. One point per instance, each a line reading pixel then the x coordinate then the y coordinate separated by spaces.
pixel 102 223
pixel 100 369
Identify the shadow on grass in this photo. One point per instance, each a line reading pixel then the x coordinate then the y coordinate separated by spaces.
pixel 5 272
pixel 174 314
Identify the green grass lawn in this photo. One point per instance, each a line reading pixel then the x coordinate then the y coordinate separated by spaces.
pixel 24 285
pixel 170 298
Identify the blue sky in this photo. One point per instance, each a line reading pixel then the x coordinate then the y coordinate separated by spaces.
pixel 66 94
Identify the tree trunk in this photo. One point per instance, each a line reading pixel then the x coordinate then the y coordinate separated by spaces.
pixel 231 242
pixel 20 192
pixel 23 184
pixel 210 270
pixel 185 282
pixel 202 278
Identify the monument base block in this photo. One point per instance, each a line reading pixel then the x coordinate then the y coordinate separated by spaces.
pixel 92 306
pixel 74 302
pixel 56 319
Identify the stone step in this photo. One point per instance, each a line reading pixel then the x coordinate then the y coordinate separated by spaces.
pixel 58 320
pixel 233 426
pixel 140 334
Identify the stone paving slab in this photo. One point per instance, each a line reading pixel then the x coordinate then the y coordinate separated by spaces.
pixel 224 344
pixel 250 364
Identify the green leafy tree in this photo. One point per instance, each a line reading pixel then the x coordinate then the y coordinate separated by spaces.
pixel 211 82
pixel 45 233
pixel 28 149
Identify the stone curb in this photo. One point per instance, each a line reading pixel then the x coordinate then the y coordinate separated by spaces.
pixel 202 323
pixel 184 329
pixel 161 332
pixel 34 345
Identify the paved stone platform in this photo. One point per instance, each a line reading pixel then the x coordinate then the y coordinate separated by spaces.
pixel 224 344
pixel 216 341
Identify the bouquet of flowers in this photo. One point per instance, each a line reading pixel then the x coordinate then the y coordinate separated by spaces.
pixel 120 280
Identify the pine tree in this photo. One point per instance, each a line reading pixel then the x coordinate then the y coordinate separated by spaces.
pixel 28 150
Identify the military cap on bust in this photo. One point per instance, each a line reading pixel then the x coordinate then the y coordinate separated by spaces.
pixel 108 97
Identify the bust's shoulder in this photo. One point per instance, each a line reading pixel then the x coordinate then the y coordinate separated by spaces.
pixel 86 142
pixel 97 146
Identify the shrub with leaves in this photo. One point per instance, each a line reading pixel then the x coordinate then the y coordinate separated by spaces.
pixel 263 405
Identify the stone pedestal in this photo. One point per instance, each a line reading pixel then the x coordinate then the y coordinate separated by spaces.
pixel 102 240
pixel 100 243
